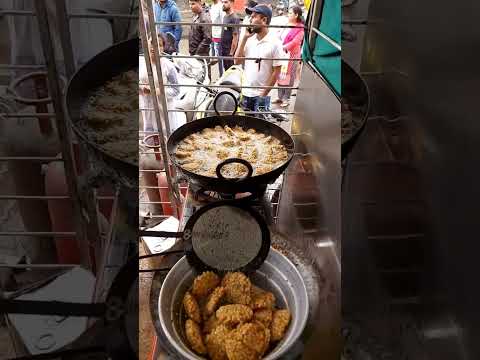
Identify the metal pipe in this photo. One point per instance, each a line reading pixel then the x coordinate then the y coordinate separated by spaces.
pixel 21 67
pixel 33 197
pixel 181 23
pixel 93 228
pixel 64 132
pixel 28 115
pixel 173 193
pixel 44 197
pixel 102 16
pixel 37 233
pixel 17 12
pixel 113 217
pixel 38 266
pixel 65 37
pixel 327 38
pixel 158 68
pixel 230 86
pixel 106 250
pixel 152 187
pixel 243 112
pixel 204 57
pixel 154 202
pixel 163 253
pixel 29 158
pixel 154 270
pixel 315 11
pixel 146 153
pixel 313 67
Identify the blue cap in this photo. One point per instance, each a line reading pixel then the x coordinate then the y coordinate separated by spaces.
pixel 261 9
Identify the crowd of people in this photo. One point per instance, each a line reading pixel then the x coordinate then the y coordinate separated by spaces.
pixel 272 48
pixel 256 41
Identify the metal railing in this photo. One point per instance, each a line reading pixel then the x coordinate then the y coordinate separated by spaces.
pixel 63 23
pixel 85 209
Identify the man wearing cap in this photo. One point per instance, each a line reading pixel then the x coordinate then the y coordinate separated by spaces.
pixel 258 43
pixel 246 19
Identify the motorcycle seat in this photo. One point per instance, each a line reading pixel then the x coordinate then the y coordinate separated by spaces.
pixel 233 85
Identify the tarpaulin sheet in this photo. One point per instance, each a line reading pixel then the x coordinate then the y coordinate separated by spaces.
pixel 324 56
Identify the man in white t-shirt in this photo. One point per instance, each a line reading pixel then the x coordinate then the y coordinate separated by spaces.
pixel 258 43
pixel 216 14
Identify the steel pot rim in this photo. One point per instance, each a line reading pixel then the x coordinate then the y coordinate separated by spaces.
pixel 300 311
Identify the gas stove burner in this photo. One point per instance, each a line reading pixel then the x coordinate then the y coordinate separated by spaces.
pixel 202 195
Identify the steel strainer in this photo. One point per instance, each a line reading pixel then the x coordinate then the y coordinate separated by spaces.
pixel 223 236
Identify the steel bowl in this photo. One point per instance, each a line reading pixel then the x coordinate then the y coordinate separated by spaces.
pixel 277 274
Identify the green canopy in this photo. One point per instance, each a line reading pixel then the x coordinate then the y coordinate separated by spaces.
pixel 324 56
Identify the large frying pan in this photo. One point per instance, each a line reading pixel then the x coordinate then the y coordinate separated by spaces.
pixel 113 61
pixel 355 93
pixel 253 184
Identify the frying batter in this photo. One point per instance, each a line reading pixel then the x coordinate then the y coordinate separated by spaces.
pixel 111 116
pixel 201 152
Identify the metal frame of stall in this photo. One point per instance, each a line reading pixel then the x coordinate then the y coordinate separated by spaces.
pixel 85 208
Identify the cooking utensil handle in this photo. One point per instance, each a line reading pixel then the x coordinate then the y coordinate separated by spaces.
pixel 156 139
pixel 163 253
pixel 161 233
pixel 218 97
pixel 234 160
pixel 38 307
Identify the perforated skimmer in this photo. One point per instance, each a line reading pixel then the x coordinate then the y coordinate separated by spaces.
pixel 223 236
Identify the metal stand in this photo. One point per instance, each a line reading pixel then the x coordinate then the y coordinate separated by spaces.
pixel 95 249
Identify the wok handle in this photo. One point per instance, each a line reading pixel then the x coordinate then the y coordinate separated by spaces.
pixel 161 233
pixel 218 97
pixel 234 160
pixel 156 140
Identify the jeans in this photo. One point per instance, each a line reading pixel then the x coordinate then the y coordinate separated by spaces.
pixel 256 103
pixel 215 50
pixel 284 94
pixel 227 63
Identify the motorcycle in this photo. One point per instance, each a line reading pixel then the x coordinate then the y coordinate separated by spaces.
pixel 191 71
pixel 234 77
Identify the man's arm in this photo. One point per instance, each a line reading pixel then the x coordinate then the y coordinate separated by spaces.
pixel 233 47
pixel 156 14
pixel 272 80
pixel 236 31
pixel 241 49
pixel 178 28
